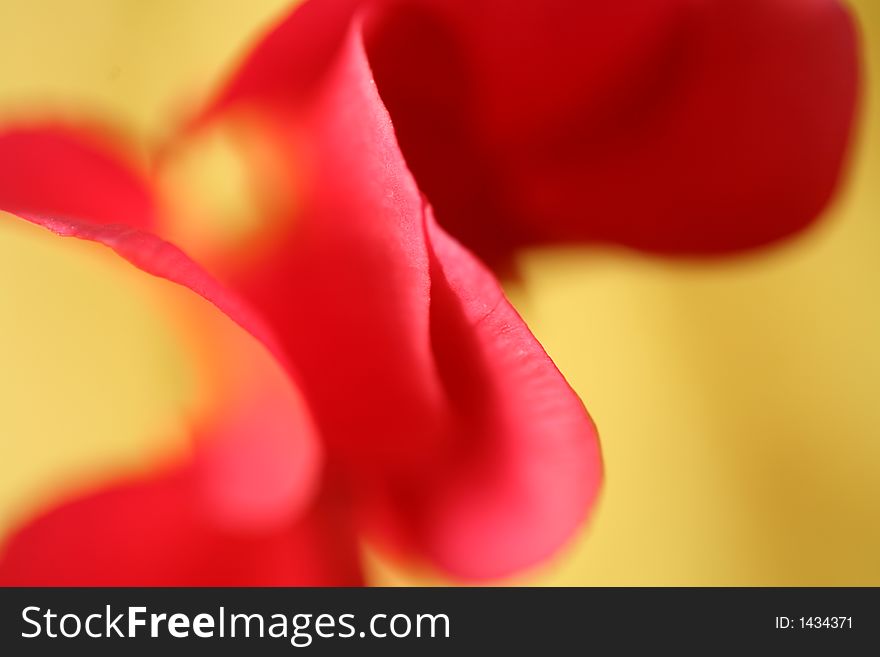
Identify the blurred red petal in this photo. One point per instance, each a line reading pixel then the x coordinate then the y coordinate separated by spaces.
pixel 288 61
pixel 152 533
pixel 52 171
pixel 251 474
pixel 453 428
pixel 672 126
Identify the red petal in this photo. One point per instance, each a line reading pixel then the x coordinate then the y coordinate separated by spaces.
pixel 453 428
pixel 672 126
pixel 248 477
pixel 288 61
pixel 533 467
pixel 152 533
pixel 54 171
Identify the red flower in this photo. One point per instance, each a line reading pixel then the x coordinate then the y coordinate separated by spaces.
pixel 434 419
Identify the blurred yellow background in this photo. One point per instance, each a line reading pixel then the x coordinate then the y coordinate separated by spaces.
pixel 737 400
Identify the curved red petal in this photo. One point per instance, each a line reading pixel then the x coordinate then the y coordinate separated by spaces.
pixel 250 475
pixel 672 126
pixel 152 533
pixel 450 424
pixel 50 170
pixel 533 466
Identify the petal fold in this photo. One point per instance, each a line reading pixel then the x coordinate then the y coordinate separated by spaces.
pixel 460 440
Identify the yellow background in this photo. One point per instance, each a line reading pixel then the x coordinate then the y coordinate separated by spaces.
pixel 737 400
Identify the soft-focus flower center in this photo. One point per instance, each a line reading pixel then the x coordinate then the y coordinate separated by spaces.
pixel 226 189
